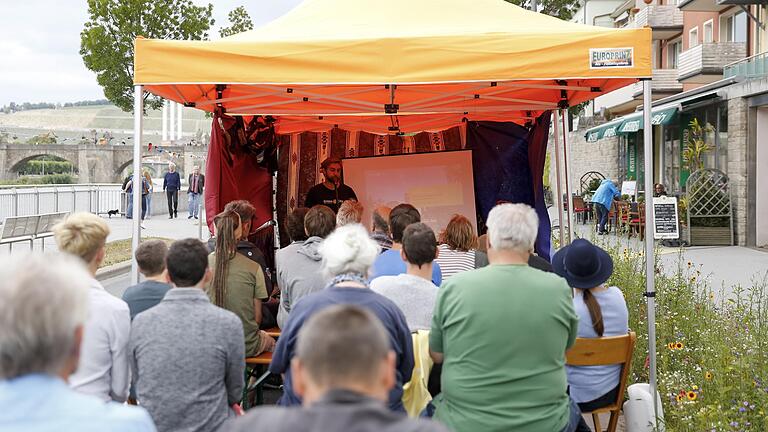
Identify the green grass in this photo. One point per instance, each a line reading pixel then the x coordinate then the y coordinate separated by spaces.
pixel 120 250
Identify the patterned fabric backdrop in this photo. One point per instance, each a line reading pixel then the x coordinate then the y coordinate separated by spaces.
pixel 300 156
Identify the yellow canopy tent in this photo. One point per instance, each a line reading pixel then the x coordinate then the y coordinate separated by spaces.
pixel 397 66
pixel 400 66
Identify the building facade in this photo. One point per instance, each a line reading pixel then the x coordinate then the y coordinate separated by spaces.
pixel 709 68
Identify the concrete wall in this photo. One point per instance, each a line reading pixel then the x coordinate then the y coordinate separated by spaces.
pixel 159 204
pixel 601 156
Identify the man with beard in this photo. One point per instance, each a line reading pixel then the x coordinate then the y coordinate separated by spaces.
pixel 331 192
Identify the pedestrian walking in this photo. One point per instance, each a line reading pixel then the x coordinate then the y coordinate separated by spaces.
pixel 151 189
pixel 171 186
pixel 196 184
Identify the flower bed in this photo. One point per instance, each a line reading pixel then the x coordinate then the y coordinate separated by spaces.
pixel 712 358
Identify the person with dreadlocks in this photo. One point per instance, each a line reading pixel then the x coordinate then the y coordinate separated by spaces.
pixel 238 283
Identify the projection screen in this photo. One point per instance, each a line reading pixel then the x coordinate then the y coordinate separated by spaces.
pixel 438 184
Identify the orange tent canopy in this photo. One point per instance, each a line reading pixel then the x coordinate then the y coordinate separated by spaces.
pixel 399 66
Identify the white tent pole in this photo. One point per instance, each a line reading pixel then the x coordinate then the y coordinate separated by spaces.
pixel 172 121
pixel 566 157
pixel 558 184
pixel 650 289
pixel 138 114
pixel 165 120
pixel 179 122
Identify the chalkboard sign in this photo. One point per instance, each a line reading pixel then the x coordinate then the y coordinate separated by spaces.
pixel 665 222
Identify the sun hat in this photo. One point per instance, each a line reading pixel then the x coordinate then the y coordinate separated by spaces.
pixel 583 264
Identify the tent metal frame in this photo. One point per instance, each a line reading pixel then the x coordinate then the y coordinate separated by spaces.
pixel 559 120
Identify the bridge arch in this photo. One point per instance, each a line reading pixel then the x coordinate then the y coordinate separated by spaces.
pixel 15 163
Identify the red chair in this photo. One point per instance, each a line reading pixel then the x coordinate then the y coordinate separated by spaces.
pixel 580 208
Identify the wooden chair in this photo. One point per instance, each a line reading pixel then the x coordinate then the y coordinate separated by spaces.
pixel 602 352
pixel 636 220
pixel 255 366
pixel 274 332
pixel 622 216
pixel 580 208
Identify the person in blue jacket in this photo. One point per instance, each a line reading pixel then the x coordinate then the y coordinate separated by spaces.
pixel 602 200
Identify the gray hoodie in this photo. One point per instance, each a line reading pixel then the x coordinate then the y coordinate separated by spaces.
pixel 299 273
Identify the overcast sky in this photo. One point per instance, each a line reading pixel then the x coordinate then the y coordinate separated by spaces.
pixel 40 44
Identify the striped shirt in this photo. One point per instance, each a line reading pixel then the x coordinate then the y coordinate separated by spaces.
pixel 454 261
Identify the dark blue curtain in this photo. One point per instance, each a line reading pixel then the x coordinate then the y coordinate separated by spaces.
pixel 508 164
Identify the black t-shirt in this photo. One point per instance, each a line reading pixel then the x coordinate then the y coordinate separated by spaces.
pixel 319 194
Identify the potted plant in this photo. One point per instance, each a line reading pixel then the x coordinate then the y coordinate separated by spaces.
pixel 707 204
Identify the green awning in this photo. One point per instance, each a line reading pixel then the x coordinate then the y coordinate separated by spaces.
pixel 631 123
pixel 606 130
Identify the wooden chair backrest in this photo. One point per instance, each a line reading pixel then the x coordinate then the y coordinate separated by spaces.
pixel 578 202
pixel 602 351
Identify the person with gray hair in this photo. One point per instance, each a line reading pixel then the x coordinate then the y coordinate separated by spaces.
pixel 524 310
pixel 350 212
pixel 196 184
pixel 343 369
pixel 347 256
pixel 43 310
pixel 171 186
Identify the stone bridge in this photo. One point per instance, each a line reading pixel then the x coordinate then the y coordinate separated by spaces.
pixel 95 163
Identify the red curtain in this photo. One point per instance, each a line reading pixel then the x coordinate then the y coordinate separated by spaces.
pixel 232 174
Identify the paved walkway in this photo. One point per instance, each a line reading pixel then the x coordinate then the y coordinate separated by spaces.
pixel 726 267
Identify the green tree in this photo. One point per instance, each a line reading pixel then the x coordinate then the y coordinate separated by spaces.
pixel 563 9
pixel 106 42
pixel 45 138
pixel 239 21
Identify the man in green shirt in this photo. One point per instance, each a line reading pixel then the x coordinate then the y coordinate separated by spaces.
pixel 501 333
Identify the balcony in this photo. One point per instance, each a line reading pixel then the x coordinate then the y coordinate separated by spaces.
pixel 750 67
pixel 704 63
pixel 665 21
pixel 663 83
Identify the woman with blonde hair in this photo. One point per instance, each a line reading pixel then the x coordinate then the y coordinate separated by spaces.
pixel 238 283
pixel 150 188
pixel 458 249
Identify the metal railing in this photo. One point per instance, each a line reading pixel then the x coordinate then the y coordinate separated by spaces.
pixel 27 200
pixel 750 67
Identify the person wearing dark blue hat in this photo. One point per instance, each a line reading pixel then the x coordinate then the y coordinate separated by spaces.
pixel 602 311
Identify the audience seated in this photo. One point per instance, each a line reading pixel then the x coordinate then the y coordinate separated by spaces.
pixel 390 262
pixel 602 312
pixel 347 255
pixel 246 211
pixel 188 355
pixel 350 212
pixel 299 271
pixel 501 333
pixel 294 225
pixel 534 260
pixel 413 291
pixel 343 369
pixel 380 227
pixel 458 248
pixel 103 367
pixel 150 256
pixel 44 307
pixel 238 283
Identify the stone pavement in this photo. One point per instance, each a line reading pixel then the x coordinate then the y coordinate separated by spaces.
pixel 725 267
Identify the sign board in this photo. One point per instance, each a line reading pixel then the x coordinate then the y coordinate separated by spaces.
pixel 611 58
pixel 629 187
pixel 665 222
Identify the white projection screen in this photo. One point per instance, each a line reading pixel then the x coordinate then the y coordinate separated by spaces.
pixel 439 184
